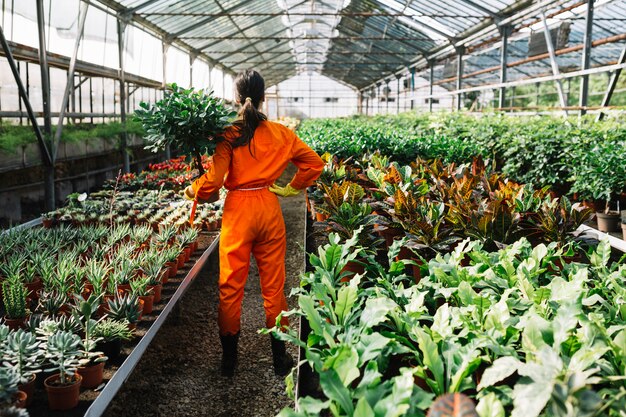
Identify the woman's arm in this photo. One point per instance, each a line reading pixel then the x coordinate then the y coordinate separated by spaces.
pixel 309 164
pixel 213 178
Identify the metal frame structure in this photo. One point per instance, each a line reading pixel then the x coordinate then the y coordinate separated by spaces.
pixel 361 43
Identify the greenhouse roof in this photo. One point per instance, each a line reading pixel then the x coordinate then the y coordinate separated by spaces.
pixel 361 42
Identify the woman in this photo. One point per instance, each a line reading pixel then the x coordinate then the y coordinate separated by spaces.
pixel 253 154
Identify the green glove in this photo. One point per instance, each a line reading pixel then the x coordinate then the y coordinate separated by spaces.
pixel 286 191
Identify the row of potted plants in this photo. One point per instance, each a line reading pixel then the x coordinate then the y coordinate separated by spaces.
pixel 71 295
pixel 437 205
pixel 141 207
pixel 576 157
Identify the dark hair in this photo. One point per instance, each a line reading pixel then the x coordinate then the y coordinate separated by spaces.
pixel 250 90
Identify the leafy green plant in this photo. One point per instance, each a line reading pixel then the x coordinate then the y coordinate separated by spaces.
pixel 189 121
pixel 125 307
pixel 109 330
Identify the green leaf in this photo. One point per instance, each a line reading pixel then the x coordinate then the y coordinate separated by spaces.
pixel 376 310
pixel 490 406
pixel 500 369
pixel 336 391
pixel 363 409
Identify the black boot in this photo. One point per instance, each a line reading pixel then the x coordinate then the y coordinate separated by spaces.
pixel 282 360
pixel 229 354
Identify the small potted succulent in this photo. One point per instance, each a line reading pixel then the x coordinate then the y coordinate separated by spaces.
pixel 24 356
pixel 14 296
pixel 139 288
pixel 126 307
pixel 10 395
pixel 92 361
pixel 154 273
pixel 52 303
pixel 63 354
pixel 110 335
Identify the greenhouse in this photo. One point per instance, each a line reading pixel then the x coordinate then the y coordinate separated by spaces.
pixel 313 208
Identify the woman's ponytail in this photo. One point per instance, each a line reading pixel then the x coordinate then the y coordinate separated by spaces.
pixel 250 88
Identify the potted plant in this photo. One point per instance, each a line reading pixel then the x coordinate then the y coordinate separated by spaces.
pixel 187 120
pixel 125 307
pixel 52 303
pixel 63 387
pixel 92 361
pixel 139 288
pixel 24 356
pixel 14 295
pixel 10 395
pixel 154 272
pixel 110 335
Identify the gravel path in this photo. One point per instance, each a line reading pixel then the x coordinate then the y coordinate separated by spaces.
pixel 179 373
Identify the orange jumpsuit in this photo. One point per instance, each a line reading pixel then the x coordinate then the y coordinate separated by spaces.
pixel 252 220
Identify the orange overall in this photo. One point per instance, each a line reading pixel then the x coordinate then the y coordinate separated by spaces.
pixel 252 220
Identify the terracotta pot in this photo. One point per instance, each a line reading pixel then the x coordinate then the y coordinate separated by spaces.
pixel 92 375
pixel 15 324
pixel 156 292
pixel 19 399
pixel 321 217
pixel 33 288
pixel 608 222
pixel 148 303
pixel 29 389
pixel 141 308
pixel 181 260
pixel 172 270
pixel 123 288
pixel 62 397
pixel 46 223
pixel 194 246
pixel 187 252
pixel 103 309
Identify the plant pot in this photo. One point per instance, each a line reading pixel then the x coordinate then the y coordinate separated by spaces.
pixel 172 270
pixel 352 268
pixel 92 375
pixel 34 287
pixel 15 324
pixel 62 397
pixel 141 308
pixel 623 216
pixel 156 292
pixel 624 231
pixel 123 288
pixel 412 270
pixel 103 309
pixel 181 260
pixel 608 222
pixel 148 303
pixel 110 349
pixel 19 399
pixel 389 234
pixel 187 252
pixel 46 223
pixel 29 389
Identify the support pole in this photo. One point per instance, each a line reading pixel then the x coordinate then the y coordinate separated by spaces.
pixel 49 189
pixel 121 31
pixel 586 60
pixel 431 80
pixel 387 96
pixel 378 97
pixel 612 84
pixel 166 47
pixel 459 77
pixel 69 86
pixel 397 94
pixel 553 63
pixel 505 31
pixel 412 87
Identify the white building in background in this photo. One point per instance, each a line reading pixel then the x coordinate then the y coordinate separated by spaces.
pixel 311 96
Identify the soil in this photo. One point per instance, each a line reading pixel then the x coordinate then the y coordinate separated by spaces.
pixel 179 373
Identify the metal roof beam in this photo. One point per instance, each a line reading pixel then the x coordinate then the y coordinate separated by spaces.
pixel 481 8
pixel 203 22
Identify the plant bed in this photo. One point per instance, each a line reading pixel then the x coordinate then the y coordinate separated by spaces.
pixel 88 396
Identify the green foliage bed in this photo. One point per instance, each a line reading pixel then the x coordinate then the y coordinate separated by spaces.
pixel 583 157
